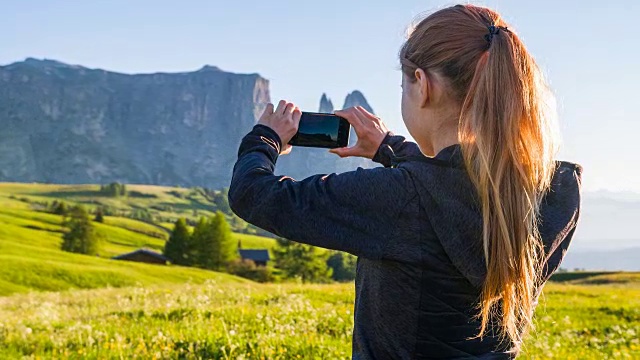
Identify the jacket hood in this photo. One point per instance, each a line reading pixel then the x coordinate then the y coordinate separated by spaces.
pixel 451 203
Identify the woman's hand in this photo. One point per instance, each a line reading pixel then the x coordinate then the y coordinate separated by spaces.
pixel 369 129
pixel 284 121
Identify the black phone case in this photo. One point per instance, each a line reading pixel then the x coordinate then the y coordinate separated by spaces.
pixel 343 135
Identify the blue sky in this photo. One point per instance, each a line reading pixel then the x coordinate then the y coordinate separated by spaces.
pixel 588 49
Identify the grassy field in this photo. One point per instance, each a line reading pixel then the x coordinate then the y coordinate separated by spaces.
pixel 30 258
pixel 254 321
pixel 55 304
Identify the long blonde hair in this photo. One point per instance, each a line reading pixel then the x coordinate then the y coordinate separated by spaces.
pixel 508 140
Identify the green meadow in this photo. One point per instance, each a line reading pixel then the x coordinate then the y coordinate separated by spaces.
pixel 30 255
pixel 60 305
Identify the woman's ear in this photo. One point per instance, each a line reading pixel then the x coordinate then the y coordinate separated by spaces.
pixel 424 87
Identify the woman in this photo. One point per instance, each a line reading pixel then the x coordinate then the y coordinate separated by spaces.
pixel 457 233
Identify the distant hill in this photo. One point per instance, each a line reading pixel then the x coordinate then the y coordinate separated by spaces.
pixel 608 221
pixel 627 259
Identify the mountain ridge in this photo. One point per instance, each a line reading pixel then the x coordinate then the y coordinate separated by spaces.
pixel 52 63
pixel 71 124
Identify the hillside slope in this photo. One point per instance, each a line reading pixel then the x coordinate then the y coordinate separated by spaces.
pixel 30 258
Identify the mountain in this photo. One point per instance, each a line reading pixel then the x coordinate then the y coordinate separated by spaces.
pixel 608 221
pixel 326 106
pixel 607 236
pixel 70 124
pixel 627 259
pixel 356 98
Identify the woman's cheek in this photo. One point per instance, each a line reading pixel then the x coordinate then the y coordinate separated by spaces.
pixel 405 109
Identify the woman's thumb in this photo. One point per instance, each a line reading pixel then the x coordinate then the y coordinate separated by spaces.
pixel 343 151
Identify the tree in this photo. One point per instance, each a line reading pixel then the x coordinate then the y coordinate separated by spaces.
pixel 99 216
pixel 215 244
pixel 141 214
pixel 59 208
pixel 199 236
pixel 177 247
pixel 114 189
pixel 302 261
pixel 80 236
pixel 343 266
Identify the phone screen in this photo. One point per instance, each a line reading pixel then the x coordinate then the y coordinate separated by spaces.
pixel 320 130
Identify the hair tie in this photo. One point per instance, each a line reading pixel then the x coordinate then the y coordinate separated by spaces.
pixel 494 30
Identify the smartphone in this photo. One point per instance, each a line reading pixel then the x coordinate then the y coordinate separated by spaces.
pixel 321 131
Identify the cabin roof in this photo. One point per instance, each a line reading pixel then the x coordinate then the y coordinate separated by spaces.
pixel 141 251
pixel 255 254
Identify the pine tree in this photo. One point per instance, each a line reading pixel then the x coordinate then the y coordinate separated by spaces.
pixel 177 247
pixel 99 216
pixel 80 236
pixel 216 247
pixel 198 239
pixel 228 246
pixel 343 266
pixel 114 189
pixel 301 260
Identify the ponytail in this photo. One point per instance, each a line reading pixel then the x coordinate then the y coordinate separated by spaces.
pixel 508 145
pixel 508 154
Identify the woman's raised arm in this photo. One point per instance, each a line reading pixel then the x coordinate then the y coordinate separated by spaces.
pixel 352 211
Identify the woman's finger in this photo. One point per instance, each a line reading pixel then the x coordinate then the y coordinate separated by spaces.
pixel 287 149
pixel 360 113
pixel 288 109
pixel 281 106
pixel 351 118
pixel 345 151
pixel 365 112
pixel 267 110
pixel 297 114
pixel 356 111
pixel 369 115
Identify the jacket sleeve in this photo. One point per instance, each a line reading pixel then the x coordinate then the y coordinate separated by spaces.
pixel 351 211
pixel 393 147
pixel 561 209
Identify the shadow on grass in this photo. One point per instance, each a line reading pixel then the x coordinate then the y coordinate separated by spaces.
pixel 68 194
pixel 95 193
pixel 194 204
pixel 141 195
pixel 35 227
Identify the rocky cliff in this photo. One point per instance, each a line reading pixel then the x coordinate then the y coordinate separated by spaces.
pixel 63 123
pixel 70 124
pixel 326 106
pixel 356 98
